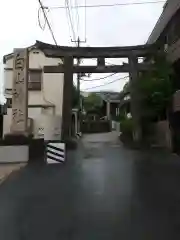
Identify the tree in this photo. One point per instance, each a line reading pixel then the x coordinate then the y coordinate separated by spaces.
pixel 155 88
pixel 92 102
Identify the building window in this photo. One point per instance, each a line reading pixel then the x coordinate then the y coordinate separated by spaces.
pixel 9 102
pixel 35 77
pixel 35 52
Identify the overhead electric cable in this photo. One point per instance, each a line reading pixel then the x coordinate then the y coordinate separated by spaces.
pixel 97 79
pixel 102 85
pixel 77 16
pixel 110 5
pixel 47 21
pixel 70 19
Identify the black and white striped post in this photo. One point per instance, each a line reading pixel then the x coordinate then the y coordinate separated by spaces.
pixel 55 148
pixel 55 152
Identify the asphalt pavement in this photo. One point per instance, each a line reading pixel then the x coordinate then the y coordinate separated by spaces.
pixel 103 191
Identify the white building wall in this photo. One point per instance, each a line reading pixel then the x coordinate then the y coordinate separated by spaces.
pixel 8 75
pixel 37 59
pixel 7 121
pixel 51 92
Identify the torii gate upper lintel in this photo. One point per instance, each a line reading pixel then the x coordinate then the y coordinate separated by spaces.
pixel 95 52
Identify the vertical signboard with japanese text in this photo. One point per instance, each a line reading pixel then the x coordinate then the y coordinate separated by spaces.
pixel 20 91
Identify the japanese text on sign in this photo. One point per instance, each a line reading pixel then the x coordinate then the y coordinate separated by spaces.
pixel 20 93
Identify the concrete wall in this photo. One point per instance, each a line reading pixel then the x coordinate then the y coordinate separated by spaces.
pixel 14 154
pixel 176 101
pixel 162 134
pixel 50 94
pixel 39 117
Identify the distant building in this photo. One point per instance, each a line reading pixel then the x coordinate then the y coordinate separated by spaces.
pixel 110 103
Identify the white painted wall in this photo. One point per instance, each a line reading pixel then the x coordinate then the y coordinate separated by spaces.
pixel 7 121
pixel 50 94
pixel 39 60
pixel 8 76
pixel 53 90
pixel 14 154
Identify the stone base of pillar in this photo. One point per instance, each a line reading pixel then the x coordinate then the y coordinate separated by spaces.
pixel 71 144
pixel 16 139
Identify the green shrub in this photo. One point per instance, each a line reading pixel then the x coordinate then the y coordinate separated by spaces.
pixel 127 127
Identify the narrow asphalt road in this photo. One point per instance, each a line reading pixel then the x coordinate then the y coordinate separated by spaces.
pixel 104 191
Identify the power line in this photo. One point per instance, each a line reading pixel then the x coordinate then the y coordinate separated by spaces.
pixel 69 25
pixel 115 80
pixel 68 21
pixel 85 21
pixel 46 19
pixel 39 21
pixel 70 18
pixel 72 14
pixel 97 79
pixel 77 15
pixel 112 64
pixel 110 5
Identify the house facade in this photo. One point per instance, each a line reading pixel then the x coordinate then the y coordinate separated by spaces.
pixel 45 92
pixel 166 31
pixel 166 34
pixel 110 103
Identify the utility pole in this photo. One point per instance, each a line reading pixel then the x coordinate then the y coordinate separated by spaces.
pixel 79 75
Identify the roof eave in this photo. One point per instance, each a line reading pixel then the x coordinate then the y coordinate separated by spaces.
pixel 10 55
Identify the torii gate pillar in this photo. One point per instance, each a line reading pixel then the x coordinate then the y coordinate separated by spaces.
pixel 135 98
pixel 67 98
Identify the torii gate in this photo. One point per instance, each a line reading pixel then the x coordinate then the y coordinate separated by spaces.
pixel 100 53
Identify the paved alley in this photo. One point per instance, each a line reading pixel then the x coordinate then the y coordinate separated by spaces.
pixel 104 191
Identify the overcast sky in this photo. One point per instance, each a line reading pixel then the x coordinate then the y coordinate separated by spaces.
pixel 120 26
